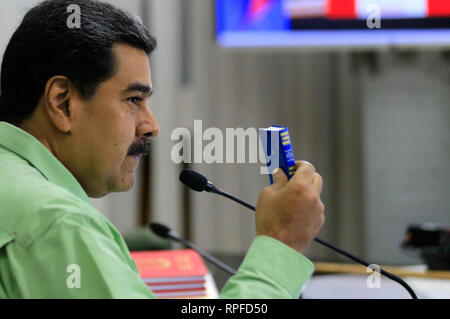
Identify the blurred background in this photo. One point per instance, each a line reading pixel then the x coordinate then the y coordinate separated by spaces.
pixel 370 108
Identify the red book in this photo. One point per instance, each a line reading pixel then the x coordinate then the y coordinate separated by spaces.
pixel 178 295
pixel 177 287
pixel 170 266
pixel 187 291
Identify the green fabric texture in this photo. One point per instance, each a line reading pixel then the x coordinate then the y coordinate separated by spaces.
pixel 55 244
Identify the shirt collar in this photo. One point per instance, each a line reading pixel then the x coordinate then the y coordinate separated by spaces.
pixel 28 147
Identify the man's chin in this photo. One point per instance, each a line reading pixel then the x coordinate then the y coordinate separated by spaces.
pixel 125 183
pixel 121 184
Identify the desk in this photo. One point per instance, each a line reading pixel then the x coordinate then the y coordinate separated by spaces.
pixel 349 281
pixel 408 271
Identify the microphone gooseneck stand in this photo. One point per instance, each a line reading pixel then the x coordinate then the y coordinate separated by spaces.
pixel 200 183
pixel 165 232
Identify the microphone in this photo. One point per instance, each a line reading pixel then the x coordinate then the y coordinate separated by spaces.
pixel 200 183
pixel 165 232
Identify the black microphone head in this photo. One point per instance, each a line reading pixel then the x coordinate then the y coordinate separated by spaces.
pixel 160 230
pixel 193 180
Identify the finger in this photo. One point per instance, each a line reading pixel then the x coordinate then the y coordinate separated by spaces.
pixel 317 183
pixel 304 171
pixel 279 178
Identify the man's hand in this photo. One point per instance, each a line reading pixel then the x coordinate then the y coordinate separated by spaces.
pixel 291 211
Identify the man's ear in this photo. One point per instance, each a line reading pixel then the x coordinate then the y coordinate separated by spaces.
pixel 57 97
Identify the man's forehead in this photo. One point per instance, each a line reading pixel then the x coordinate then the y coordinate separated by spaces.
pixel 133 69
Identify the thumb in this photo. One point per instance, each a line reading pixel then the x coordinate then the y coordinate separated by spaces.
pixel 279 179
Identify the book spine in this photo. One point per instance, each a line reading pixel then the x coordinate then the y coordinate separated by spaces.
pixel 281 150
pixel 288 153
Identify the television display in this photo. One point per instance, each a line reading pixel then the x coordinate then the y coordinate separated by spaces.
pixel 318 23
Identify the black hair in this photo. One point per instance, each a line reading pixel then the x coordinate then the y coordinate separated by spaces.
pixel 45 45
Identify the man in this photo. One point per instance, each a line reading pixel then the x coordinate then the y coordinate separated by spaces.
pixel 73 123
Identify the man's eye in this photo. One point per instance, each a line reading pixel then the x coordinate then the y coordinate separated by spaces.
pixel 134 100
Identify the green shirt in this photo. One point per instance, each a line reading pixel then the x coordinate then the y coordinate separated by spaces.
pixel 50 235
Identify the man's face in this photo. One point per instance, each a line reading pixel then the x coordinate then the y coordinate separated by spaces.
pixel 109 126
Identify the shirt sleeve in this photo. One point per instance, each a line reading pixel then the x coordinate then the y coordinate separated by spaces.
pixel 76 259
pixel 270 269
pixel 72 259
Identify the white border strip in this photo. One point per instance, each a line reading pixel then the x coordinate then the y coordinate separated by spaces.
pixel 335 38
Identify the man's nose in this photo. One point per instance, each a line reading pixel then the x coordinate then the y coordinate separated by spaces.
pixel 147 124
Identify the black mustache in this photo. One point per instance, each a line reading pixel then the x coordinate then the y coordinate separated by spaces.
pixel 141 147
